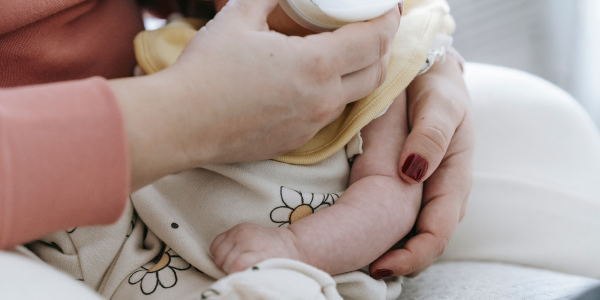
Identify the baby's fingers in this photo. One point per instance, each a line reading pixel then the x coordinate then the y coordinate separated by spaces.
pixel 221 248
pixel 421 251
pixel 243 261
pixel 417 255
pixel 361 83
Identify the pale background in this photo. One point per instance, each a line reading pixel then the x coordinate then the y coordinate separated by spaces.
pixel 558 40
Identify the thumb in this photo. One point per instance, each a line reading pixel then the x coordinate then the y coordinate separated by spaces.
pixel 432 130
pixel 252 13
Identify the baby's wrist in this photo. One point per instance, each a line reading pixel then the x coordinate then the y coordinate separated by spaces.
pixel 295 247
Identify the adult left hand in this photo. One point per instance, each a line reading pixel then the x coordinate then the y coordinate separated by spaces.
pixel 439 152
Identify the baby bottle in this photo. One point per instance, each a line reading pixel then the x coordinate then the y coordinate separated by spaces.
pixel 328 15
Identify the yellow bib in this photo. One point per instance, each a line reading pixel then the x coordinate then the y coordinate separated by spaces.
pixel 158 49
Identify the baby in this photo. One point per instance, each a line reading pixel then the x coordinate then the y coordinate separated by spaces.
pixel 311 205
pixel 368 218
pixel 375 212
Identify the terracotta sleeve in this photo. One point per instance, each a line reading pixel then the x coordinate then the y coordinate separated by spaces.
pixel 63 159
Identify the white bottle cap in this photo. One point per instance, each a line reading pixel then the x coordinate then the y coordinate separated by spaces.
pixel 328 15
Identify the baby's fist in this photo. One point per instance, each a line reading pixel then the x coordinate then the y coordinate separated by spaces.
pixel 247 244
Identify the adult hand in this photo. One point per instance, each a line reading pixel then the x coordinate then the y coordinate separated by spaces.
pixel 439 151
pixel 241 92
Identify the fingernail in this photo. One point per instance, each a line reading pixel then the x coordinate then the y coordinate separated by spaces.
pixel 401 7
pixel 415 167
pixel 381 274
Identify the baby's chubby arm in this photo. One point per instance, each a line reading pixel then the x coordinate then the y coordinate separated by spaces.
pixel 376 211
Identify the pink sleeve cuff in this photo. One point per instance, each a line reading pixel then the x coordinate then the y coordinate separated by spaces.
pixel 63 159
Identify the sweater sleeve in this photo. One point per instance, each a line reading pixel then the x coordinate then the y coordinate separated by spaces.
pixel 63 159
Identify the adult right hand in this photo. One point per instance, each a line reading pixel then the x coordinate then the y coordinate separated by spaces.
pixel 240 92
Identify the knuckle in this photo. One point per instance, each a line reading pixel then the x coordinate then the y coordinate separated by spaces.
pixel 296 143
pixel 410 269
pixel 319 114
pixel 467 189
pixel 243 262
pixel 236 228
pixel 441 246
pixel 323 111
pixel 242 229
pixel 451 105
pixel 321 68
pixel 383 67
pixel 463 212
pixel 434 139
pixel 414 273
pixel 213 247
pixel 456 111
pixel 219 259
pixel 453 108
pixel 301 90
pixel 384 43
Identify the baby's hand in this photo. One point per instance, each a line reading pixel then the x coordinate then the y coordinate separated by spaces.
pixel 247 244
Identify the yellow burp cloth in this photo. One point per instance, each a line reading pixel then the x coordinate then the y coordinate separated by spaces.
pixel 422 20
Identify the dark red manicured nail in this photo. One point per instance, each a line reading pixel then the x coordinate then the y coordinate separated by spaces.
pixel 381 274
pixel 401 7
pixel 415 167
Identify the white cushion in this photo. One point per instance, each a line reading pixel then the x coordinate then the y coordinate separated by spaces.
pixel 26 278
pixel 536 191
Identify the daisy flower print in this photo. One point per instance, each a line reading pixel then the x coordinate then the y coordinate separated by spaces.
pixel 161 271
pixel 298 205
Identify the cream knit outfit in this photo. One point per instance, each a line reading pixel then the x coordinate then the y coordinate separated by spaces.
pixel 166 256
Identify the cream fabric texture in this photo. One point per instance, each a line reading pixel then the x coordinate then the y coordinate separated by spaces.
pixel 167 255
pixel 275 279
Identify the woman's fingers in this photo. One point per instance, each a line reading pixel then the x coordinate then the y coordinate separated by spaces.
pixel 361 83
pixel 435 121
pixel 285 89
pixel 436 110
pixel 408 261
pixel 443 209
pixel 356 46
pixel 444 202
pixel 435 226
